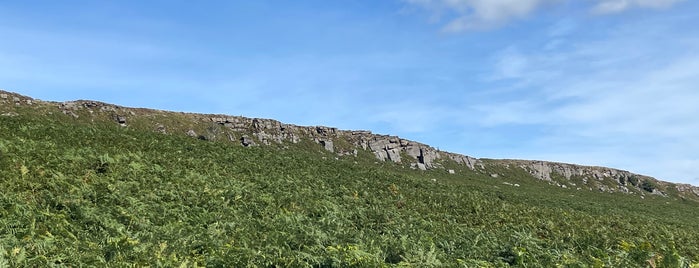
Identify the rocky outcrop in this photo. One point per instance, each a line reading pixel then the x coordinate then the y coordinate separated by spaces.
pixel 328 145
pixel 16 99
pixel 247 141
pixel 383 147
pixel 686 188
pixel 256 131
pixel 602 178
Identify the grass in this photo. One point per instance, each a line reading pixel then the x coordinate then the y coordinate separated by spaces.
pixel 83 193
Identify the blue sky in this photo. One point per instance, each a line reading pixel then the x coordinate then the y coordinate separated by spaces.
pixel 596 82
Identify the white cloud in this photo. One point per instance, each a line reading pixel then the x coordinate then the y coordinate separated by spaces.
pixel 480 14
pixel 616 6
pixel 467 15
pixel 619 101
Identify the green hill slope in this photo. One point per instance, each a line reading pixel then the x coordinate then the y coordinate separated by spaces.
pixel 78 189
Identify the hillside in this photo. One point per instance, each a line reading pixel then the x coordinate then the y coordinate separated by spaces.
pixel 385 148
pixel 96 184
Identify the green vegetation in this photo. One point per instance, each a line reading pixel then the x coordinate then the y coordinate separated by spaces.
pixel 78 193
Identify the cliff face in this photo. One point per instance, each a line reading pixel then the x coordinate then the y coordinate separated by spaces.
pixel 383 147
pixel 597 178
pixel 259 132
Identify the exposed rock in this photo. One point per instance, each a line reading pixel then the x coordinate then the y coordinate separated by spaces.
pixel 470 162
pixel 623 189
pixel 412 150
pixel 686 188
pixel 121 120
pixel 71 113
pixel 247 141
pixel 68 105
pixel 451 171
pixel 541 170
pixel 325 131
pixel 383 147
pixel 428 156
pixel 658 192
pixel 588 175
pixel 10 114
pixel 393 155
pixel 266 138
pixel 381 155
pixel 328 145
pixel 162 129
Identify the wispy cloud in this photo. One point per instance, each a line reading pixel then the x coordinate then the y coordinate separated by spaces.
pixel 468 15
pixel 617 100
pixel 479 14
pixel 616 6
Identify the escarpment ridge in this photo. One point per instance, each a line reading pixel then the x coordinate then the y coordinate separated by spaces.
pixel 248 132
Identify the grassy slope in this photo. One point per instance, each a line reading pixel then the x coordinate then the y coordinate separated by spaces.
pixel 76 193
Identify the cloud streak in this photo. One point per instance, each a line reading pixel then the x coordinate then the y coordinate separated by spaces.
pixel 616 101
pixel 469 15
pixel 616 6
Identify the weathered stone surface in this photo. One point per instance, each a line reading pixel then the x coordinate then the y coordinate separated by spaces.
pixel 328 145
pixel 393 155
pixel 686 188
pixel 412 150
pixel 3 96
pixel 428 156
pixel 71 113
pixel 191 133
pixel 470 162
pixel 247 141
pixel 593 176
pixel 541 170
pixel 161 128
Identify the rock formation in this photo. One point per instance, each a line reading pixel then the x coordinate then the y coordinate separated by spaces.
pixel 257 131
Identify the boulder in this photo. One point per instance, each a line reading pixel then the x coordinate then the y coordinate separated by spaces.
pixel 328 145
pixel 161 128
pixel 413 151
pixel 247 141
pixel 393 155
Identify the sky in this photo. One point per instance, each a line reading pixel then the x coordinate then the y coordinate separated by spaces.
pixel 596 82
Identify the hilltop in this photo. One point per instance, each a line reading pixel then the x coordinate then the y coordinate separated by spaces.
pixel 257 131
pixel 87 183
